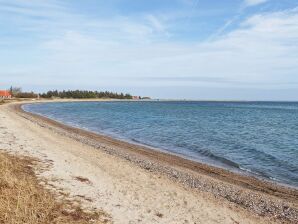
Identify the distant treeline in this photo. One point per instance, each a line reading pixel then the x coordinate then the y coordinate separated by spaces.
pixel 18 93
pixel 25 95
pixel 84 94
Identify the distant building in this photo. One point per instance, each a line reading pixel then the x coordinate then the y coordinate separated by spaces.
pixel 4 94
pixel 146 98
pixel 135 97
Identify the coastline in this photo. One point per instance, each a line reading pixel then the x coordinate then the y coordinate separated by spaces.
pixel 265 199
pixel 216 162
pixel 226 166
pixel 212 159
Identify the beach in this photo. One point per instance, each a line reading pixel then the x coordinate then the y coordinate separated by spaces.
pixel 135 184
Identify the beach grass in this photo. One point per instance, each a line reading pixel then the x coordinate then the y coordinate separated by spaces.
pixel 24 200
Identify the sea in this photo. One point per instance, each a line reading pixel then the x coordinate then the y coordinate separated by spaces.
pixel 258 138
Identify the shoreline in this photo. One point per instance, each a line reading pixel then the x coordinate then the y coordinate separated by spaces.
pixel 269 199
pixel 132 184
pixel 233 168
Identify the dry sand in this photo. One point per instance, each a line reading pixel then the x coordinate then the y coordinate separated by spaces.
pixel 134 185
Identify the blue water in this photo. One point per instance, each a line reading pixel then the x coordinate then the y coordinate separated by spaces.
pixel 259 137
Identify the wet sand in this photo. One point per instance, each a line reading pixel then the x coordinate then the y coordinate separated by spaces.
pixel 135 184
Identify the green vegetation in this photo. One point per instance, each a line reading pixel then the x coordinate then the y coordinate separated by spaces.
pixel 84 94
pixel 25 95
pixel 18 93
pixel 15 90
pixel 70 94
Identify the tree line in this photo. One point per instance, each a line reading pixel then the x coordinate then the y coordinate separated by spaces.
pixel 75 94
pixel 18 93
pixel 84 94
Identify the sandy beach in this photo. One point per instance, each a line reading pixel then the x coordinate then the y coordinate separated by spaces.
pixel 135 184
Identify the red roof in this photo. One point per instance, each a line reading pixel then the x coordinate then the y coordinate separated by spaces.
pixel 4 93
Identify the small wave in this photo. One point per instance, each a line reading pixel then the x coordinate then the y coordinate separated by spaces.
pixel 257 173
pixel 271 159
pixel 205 153
pixel 137 141
pixel 221 159
pixel 225 161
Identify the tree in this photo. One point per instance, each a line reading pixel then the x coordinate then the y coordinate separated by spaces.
pixel 83 94
pixel 15 90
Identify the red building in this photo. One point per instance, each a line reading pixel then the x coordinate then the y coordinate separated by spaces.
pixel 4 94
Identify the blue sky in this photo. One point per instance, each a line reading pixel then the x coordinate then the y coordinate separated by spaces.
pixel 189 49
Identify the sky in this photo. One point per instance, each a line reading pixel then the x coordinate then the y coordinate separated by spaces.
pixel 171 49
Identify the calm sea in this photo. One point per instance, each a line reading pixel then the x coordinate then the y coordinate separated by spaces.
pixel 258 137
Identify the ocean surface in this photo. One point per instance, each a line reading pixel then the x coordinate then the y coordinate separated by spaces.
pixel 260 138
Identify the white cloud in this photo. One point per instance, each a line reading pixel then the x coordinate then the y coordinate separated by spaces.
pixel 254 2
pixel 263 52
pixel 156 23
pixel 124 51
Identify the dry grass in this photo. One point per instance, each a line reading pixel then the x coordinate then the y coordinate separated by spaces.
pixel 24 200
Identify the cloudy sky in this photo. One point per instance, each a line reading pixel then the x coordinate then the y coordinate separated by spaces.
pixel 189 49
